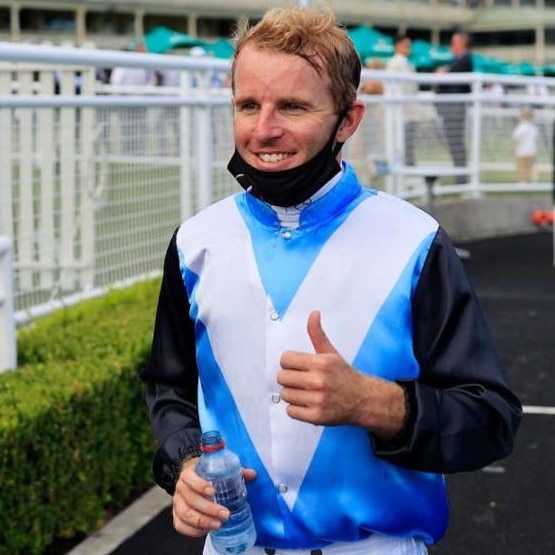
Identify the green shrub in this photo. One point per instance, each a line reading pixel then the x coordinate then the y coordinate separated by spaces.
pixel 75 438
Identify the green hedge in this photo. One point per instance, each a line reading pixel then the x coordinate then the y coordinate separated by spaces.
pixel 75 439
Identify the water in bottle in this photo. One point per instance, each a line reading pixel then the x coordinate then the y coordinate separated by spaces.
pixel 223 468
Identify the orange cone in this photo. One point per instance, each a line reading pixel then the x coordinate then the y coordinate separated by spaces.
pixel 538 217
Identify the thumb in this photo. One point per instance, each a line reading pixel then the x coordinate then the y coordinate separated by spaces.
pixel 317 335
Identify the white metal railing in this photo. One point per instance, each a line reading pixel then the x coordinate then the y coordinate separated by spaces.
pixel 8 351
pixel 93 184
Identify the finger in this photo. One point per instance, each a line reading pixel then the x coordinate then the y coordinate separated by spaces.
pixel 249 474
pixel 317 335
pixel 193 507
pixel 305 414
pixel 191 522
pixel 193 504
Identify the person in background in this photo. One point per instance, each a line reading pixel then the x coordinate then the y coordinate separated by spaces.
pixel 453 114
pixel 168 118
pixel 525 143
pixel 133 76
pixel 349 375
pixel 369 137
pixel 495 90
pixel 409 114
pixel 373 86
pixel 133 123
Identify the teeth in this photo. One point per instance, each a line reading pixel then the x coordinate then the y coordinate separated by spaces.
pixel 274 157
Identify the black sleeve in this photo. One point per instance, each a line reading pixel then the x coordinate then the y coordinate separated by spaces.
pixel 171 376
pixel 462 416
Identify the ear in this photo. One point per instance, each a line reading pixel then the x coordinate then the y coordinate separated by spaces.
pixel 351 121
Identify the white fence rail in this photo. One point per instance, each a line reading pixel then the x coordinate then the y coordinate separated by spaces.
pixel 8 355
pixel 95 177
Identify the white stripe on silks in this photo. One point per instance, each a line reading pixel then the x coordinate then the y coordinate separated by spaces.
pixel 239 355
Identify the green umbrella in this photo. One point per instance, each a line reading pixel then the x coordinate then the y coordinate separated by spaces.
pixel 221 48
pixel 487 64
pixel 549 70
pixel 162 39
pixel 526 68
pixel 425 55
pixel 370 43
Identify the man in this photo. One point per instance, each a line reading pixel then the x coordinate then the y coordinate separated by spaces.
pixel 409 114
pixel 328 331
pixel 453 114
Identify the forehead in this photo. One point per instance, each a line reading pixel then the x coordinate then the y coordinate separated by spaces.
pixel 256 68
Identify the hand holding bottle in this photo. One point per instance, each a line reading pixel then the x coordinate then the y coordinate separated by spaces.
pixel 195 513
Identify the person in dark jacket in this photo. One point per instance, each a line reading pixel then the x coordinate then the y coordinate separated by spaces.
pixel 453 114
pixel 329 331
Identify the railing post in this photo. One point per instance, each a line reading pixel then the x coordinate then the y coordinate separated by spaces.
pixel 475 189
pixel 187 200
pixel 205 146
pixel 8 349
pixel 392 180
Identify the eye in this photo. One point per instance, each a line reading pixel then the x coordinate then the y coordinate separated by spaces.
pixel 247 106
pixel 293 107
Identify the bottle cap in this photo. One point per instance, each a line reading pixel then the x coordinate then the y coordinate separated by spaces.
pixel 211 441
pixel 209 448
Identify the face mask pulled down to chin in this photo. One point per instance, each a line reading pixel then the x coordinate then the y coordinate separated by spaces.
pixel 288 187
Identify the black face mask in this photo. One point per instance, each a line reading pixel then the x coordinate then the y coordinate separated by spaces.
pixel 293 186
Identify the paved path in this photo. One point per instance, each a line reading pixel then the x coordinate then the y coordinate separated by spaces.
pixel 505 509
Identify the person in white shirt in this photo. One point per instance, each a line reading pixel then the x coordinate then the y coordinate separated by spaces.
pixel 408 113
pixel 525 141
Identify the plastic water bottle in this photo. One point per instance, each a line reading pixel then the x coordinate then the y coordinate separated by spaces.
pixel 222 467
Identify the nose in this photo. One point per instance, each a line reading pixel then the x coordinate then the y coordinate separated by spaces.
pixel 267 125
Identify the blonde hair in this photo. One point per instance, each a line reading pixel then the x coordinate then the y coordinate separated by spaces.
pixel 526 113
pixel 312 35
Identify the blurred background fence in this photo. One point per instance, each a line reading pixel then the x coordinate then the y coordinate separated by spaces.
pixel 95 177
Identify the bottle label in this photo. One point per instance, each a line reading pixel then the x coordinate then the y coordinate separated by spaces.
pixel 232 493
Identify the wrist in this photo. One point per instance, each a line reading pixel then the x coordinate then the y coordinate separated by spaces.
pixel 187 456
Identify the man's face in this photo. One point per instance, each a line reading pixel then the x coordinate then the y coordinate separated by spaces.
pixel 284 110
pixel 458 44
pixel 404 47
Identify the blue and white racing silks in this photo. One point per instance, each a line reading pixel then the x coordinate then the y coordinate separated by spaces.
pixel 356 256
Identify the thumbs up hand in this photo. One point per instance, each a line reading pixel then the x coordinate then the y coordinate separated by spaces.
pixel 318 336
pixel 322 388
pixel 318 386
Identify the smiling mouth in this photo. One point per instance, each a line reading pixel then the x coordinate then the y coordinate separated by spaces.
pixel 274 156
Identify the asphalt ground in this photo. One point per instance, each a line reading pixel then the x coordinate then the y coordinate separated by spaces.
pixel 505 509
